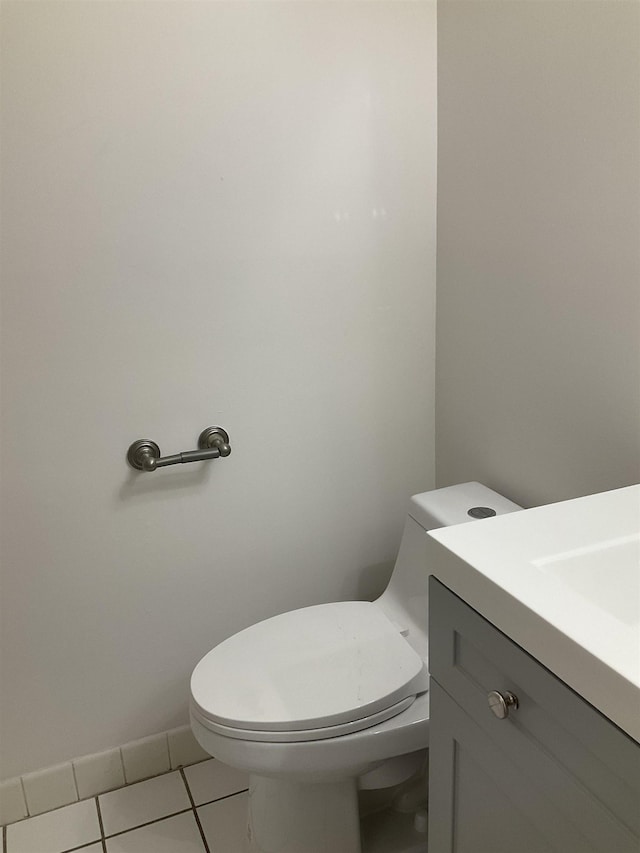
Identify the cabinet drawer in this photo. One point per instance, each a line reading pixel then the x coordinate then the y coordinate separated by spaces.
pixel 581 760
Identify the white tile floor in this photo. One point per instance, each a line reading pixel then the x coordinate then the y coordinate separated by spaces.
pixel 199 809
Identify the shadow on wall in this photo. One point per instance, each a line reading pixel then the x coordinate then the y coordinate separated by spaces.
pixel 139 484
pixel 372 580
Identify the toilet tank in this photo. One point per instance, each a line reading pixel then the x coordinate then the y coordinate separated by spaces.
pixel 404 600
pixel 458 504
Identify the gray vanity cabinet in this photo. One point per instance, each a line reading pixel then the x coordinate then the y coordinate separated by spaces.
pixel 552 775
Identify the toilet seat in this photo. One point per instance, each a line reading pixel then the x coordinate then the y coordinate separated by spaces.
pixel 301 735
pixel 308 674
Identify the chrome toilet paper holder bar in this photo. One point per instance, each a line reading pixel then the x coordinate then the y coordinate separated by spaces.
pixel 144 454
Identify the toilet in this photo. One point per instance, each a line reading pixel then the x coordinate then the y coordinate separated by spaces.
pixel 319 703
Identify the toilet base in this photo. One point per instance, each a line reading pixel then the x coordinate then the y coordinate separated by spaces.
pixel 297 817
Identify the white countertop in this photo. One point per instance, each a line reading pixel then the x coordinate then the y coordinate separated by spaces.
pixel 563 581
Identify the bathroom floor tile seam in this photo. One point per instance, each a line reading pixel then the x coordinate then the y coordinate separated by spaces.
pixel 193 808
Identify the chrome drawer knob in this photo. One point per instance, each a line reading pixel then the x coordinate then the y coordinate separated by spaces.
pixel 501 702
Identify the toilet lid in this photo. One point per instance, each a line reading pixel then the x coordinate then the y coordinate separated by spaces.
pixel 310 668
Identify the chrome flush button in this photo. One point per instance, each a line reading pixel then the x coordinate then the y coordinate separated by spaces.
pixel 481 512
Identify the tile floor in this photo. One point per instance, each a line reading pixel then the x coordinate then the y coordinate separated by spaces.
pixel 197 809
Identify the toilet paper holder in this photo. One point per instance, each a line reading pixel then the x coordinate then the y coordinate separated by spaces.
pixel 144 454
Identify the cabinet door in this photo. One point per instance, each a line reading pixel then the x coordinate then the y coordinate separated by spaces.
pixel 554 770
pixel 479 801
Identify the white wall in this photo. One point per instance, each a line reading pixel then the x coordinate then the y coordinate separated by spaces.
pixel 213 213
pixel 538 388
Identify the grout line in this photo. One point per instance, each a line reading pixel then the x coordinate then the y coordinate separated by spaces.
pixel 121 757
pixel 137 781
pixel 186 785
pixel 226 797
pixel 82 847
pixel 75 781
pixel 166 746
pixel 104 843
pixel 148 823
pixel 195 811
pixel 24 795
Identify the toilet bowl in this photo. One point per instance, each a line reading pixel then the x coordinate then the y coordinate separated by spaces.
pixel 319 702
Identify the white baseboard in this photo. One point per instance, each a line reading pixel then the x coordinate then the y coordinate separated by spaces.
pixel 90 775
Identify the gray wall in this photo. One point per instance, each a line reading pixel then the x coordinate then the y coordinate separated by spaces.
pixel 212 213
pixel 538 316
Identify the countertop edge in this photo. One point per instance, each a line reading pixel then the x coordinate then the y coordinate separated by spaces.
pixel 607 690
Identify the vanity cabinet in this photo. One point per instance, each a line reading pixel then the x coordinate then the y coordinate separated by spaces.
pixel 552 775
